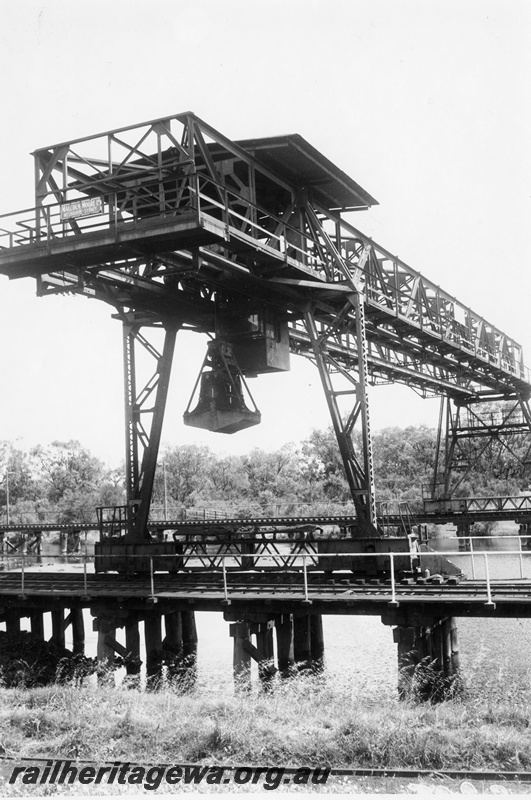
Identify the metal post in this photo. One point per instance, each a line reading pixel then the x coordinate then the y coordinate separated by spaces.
pixel 22 574
pixel 305 578
pixel 152 578
pixel 394 601
pixel 471 543
pixel 85 569
pixel 520 557
pixel 225 588
pixel 487 576
pixel 165 491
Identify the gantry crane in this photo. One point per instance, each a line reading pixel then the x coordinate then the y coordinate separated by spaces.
pixel 179 228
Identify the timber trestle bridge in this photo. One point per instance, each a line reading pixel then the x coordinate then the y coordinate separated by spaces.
pixel 250 243
pixel 274 590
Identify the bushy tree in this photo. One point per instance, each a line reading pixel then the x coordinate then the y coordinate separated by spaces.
pixel 228 478
pixel 271 476
pixel 60 482
pixel 403 461
pixel 64 482
pixel 187 469
pixel 17 473
pixel 322 467
pixel 65 468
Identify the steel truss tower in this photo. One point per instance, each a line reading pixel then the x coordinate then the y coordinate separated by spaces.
pixel 178 227
pixel 474 430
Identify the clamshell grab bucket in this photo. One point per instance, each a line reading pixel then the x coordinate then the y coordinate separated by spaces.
pixel 221 403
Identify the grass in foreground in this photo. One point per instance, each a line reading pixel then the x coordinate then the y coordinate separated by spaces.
pixel 300 722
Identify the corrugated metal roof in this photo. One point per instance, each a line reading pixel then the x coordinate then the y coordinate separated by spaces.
pixel 297 161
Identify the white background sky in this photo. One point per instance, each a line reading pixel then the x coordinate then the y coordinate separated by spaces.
pixel 426 104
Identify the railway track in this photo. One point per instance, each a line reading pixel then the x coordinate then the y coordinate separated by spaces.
pixel 338 595
pixel 230 524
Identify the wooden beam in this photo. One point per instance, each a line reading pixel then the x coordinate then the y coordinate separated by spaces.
pixel 78 630
pixel 37 624
pixel 58 626
pixel 317 641
pixel 153 639
pixel 106 628
pixel 132 647
pixel 241 661
pixel 285 650
pixel 12 622
pixel 264 646
pixel 301 642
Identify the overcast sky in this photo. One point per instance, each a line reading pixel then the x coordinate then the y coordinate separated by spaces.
pixel 425 104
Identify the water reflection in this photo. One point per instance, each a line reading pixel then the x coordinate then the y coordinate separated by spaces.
pixel 507 559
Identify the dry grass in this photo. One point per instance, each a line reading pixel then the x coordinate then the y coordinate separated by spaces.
pixel 300 722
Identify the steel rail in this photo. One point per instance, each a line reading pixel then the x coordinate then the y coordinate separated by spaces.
pixel 375 772
pixel 339 519
pixel 162 586
pixel 394 520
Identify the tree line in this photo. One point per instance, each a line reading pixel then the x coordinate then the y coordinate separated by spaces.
pixel 64 482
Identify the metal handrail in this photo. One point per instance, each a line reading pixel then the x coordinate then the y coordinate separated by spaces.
pixel 395 299
pixel 293 558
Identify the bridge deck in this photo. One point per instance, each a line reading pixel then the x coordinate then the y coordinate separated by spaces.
pixel 254 592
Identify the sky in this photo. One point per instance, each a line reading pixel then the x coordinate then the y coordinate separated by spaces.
pixel 426 104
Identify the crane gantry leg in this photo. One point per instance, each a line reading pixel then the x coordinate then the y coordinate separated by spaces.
pixel 359 473
pixel 144 415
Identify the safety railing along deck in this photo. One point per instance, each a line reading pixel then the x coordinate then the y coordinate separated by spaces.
pixel 303 565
